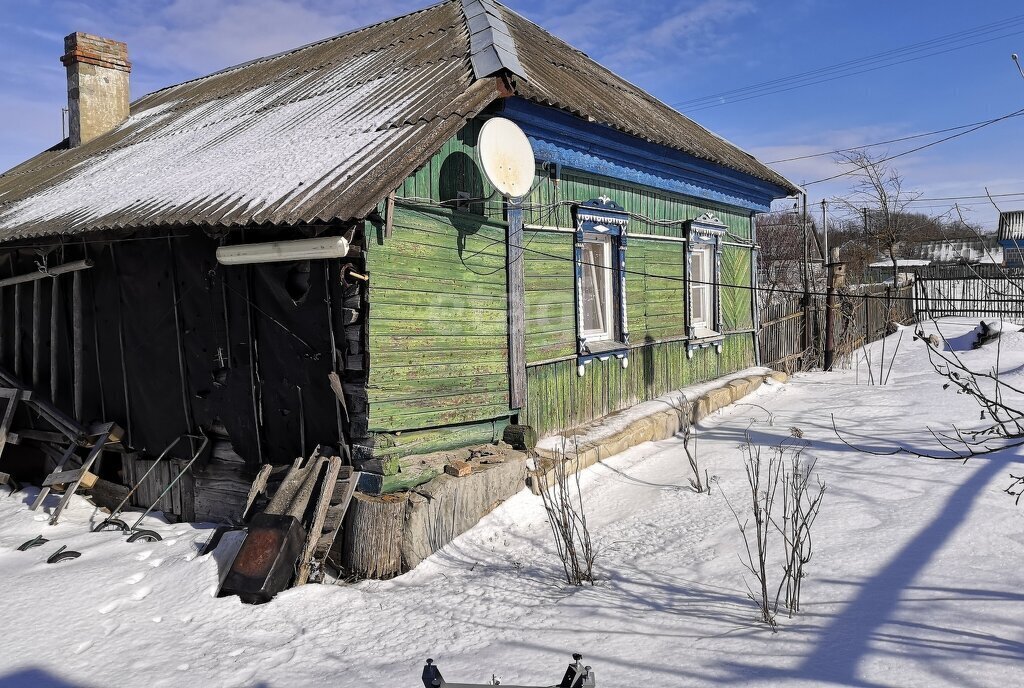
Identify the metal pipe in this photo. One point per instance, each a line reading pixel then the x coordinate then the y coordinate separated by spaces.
pixel 278 251
pixel 48 272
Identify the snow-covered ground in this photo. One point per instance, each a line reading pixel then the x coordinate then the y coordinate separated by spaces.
pixel 916 578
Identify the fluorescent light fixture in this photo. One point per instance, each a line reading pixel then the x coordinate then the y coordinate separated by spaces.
pixel 279 251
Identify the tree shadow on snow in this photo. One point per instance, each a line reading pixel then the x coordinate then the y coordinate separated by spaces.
pixel 865 625
pixel 35 678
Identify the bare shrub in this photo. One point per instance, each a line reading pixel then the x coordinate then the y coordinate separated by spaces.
pixel 800 508
pixel 699 483
pixel 780 478
pixel 558 481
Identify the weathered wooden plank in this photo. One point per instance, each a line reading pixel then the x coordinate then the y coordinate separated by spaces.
pixel 385 417
pixel 474 369
pixel 8 418
pixel 316 527
pixel 54 324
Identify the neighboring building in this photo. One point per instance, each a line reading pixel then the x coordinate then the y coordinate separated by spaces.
pixel 1011 238
pixel 427 317
pixel 974 251
pixel 981 250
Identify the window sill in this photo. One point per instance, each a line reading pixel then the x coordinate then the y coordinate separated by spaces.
pixel 702 333
pixel 704 338
pixel 604 346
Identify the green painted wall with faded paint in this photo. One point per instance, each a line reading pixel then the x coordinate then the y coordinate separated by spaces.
pixel 559 399
pixel 437 324
pixel 437 320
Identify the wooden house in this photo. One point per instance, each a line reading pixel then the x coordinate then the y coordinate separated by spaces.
pixel 303 250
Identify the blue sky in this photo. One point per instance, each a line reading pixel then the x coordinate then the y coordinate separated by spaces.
pixel 679 51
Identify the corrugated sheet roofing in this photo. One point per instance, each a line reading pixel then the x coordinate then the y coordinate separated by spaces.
pixel 322 132
pixel 953 251
pixel 1011 225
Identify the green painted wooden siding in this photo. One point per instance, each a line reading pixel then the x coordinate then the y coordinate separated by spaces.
pixel 651 203
pixel 550 296
pixel 438 330
pixel 438 346
pixel 559 399
pixel 736 302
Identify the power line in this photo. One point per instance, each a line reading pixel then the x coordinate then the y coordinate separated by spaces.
pixel 881 143
pixel 920 148
pixel 554 256
pixel 930 48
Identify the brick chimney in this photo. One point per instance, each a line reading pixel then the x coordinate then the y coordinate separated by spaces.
pixel 98 95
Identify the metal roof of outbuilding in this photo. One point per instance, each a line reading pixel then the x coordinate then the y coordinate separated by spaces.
pixel 323 132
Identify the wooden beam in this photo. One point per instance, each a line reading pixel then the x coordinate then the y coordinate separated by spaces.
pixel 516 308
pixel 17 331
pixel 54 324
pixel 3 330
pixel 76 339
pixel 50 272
pixel 389 215
pixel 5 424
pixel 37 325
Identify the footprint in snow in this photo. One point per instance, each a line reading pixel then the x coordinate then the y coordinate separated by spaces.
pixel 109 607
pixel 82 647
pixel 141 593
pixel 157 619
pixel 171 542
pixel 110 627
pixel 134 578
pixel 156 562
pixel 144 555
pixel 182 667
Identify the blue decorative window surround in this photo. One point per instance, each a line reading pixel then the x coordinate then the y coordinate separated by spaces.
pixel 704 236
pixel 602 221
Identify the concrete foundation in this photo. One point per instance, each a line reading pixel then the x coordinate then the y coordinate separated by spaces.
pixel 437 512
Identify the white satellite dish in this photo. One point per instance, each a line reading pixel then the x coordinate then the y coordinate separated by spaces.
pixel 506 157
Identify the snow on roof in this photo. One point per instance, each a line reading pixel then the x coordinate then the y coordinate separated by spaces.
pixel 324 131
pixel 900 262
pixel 984 249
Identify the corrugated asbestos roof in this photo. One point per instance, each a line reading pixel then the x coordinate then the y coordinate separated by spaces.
pixel 1011 225
pixel 952 251
pixel 323 132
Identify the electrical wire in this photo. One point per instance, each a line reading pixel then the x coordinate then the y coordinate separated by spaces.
pixel 920 148
pixel 882 143
pixel 931 48
pixel 682 280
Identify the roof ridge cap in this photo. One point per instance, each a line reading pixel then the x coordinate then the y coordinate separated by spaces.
pixel 491 46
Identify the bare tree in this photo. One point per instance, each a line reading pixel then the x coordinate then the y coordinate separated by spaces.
pixel 780 251
pixel 880 190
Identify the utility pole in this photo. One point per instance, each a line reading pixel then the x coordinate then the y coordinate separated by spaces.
pixel 807 340
pixel 836 278
pixel 824 224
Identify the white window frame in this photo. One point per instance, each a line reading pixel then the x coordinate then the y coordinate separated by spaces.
pixel 605 274
pixel 702 291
